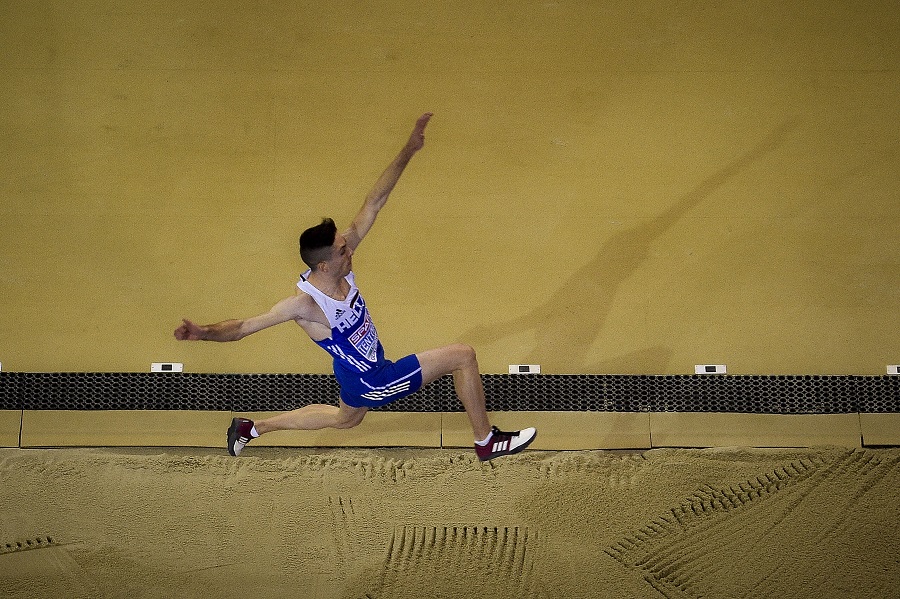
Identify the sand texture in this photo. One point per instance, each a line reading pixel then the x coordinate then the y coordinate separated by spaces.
pixel 436 523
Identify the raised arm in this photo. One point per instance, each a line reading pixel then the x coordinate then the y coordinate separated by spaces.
pixel 377 198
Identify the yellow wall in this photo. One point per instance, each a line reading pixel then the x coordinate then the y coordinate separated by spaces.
pixel 606 186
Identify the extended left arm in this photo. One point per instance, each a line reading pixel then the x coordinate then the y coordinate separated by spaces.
pixel 377 197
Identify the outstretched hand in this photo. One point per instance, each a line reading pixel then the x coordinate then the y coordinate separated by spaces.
pixel 417 137
pixel 188 331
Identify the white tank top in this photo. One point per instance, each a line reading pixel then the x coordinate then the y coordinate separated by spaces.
pixel 354 342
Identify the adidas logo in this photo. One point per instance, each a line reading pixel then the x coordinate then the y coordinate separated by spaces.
pixel 338 313
pixel 500 446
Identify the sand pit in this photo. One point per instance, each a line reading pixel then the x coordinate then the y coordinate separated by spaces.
pixel 436 523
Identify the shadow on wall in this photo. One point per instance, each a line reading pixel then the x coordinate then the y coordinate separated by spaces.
pixel 573 317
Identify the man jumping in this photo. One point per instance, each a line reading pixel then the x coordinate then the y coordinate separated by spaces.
pixel 328 306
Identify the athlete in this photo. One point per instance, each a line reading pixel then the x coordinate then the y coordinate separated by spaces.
pixel 329 308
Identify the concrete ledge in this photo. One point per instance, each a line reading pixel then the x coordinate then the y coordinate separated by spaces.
pixel 10 426
pixel 378 429
pixel 880 429
pixel 123 428
pixel 711 429
pixel 556 430
pixel 561 430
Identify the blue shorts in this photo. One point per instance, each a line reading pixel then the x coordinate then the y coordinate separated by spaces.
pixel 387 383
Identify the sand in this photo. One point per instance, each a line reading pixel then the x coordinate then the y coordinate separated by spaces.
pixel 437 523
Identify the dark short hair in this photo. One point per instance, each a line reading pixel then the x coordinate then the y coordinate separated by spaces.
pixel 316 242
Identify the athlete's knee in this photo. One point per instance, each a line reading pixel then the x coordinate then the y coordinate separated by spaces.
pixel 465 355
pixel 349 422
pixel 346 419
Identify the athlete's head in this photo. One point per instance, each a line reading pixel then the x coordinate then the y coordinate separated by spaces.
pixel 316 243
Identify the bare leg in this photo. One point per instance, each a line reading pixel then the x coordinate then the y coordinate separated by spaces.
pixel 313 417
pixel 459 360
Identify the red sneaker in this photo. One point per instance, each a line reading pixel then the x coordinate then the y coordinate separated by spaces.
pixel 239 435
pixel 502 443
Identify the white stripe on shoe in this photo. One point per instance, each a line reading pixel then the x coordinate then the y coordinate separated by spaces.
pixel 500 446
